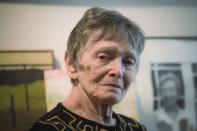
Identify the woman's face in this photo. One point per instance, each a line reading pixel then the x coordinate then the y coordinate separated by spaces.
pixel 108 69
pixel 169 93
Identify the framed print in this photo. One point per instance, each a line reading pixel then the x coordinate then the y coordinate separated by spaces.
pixel 22 87
pixel 167 84
pixel 160 74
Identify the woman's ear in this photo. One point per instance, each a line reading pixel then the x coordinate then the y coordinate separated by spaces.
pixel 70 67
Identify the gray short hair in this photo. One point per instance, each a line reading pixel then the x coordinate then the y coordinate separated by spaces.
pixel 105 25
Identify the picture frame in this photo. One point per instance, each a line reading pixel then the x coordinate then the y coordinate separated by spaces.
pixel 22 87
pixel 163 55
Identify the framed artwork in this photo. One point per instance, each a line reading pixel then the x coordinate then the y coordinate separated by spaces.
pixel 162 72
pixel 22 88
pixel 167 84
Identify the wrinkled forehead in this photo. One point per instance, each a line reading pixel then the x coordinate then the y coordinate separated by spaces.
pixel 121 38
pixel 124 43
pixel 111 47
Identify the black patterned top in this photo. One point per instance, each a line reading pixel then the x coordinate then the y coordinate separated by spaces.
pixel 61 119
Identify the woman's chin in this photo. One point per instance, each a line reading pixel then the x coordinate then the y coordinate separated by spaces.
pixel 112 100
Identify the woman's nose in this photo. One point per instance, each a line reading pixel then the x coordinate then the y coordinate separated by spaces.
pixel 116 69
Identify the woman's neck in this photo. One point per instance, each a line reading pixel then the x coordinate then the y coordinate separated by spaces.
pixel 79 103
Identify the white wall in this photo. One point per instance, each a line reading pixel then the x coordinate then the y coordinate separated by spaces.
pixel 32 27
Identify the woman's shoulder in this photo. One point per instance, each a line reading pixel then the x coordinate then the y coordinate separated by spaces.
pixel 49 120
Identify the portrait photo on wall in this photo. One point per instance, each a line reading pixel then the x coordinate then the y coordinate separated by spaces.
pixel 167 84
pixel 169 98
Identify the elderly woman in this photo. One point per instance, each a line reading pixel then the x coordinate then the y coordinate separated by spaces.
pixel 102 60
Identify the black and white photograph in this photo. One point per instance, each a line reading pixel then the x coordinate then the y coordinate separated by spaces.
pixel 168 94
pixel 169 98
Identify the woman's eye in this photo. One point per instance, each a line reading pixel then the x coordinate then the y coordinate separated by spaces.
pixel 129 63
pixel 104 58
